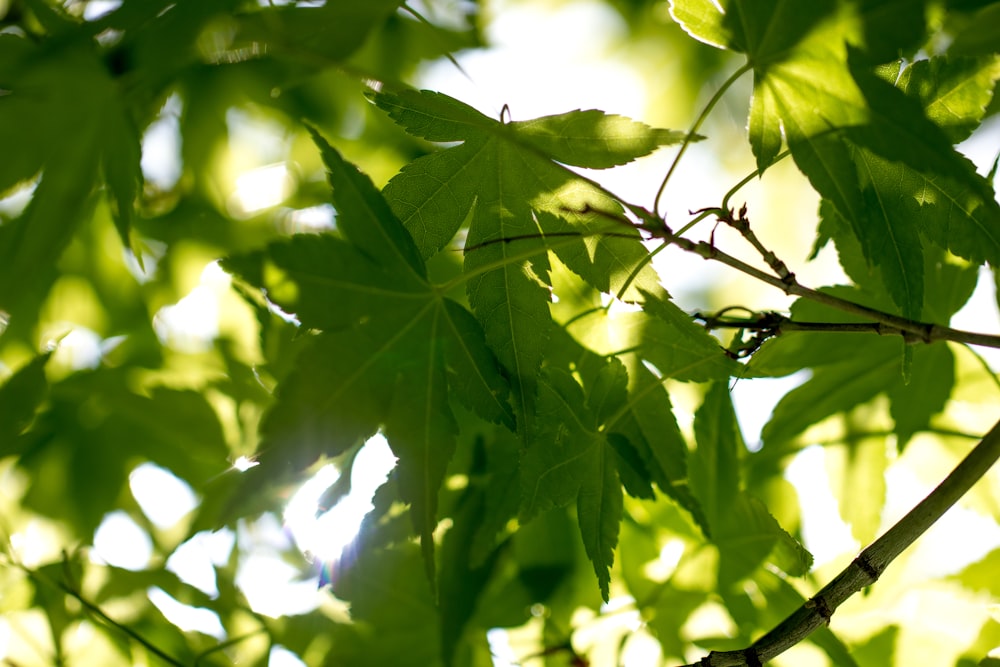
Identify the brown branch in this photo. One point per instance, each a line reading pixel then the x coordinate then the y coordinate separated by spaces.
pixel 775 324
pixel 912 331
pixel 770 324
pixel 869 565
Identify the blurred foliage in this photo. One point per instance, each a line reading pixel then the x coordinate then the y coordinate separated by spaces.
pixel 235 244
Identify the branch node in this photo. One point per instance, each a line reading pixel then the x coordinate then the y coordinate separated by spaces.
pixel 866 566
pixel 822 608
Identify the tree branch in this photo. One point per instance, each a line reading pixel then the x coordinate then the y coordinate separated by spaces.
pixel 39 578
pixel 911 330
pixel 869 565
pixel 770 324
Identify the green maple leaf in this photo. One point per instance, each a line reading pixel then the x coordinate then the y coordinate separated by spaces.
pixel 798 56
pixel 882 157
pixel 675 347
pixel 20 397
pixel 68 148
pixel 332 31
pixel 392 350
pixel 954 92
pixel 851 369
pixel 388 595
pixel 737 523
pixel 570 459
pixel 505 180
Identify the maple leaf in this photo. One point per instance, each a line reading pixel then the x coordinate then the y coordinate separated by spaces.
pixel 845 126
pixel 507 180
pixel 571 460
pixel 392 350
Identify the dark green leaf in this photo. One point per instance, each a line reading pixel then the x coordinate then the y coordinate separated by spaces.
pixel 462 581
pixel 20 397
pixel 678 347
pixel 388 595
pixel 746 535
pixel 332 31
pixel 981 36
pixel 505 184
pixel 570 459
pixel 365 218
pixel 97 429
pixel 833 388
pixel 714 464
pixel 912 404
pixel 406 341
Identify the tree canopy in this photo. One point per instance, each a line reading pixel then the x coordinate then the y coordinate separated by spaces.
pixel 243 245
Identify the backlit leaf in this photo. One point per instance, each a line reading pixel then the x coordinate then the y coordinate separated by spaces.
pixel 370 295
pixel 954 92
pixel 714 464
pixel 912 404
pixel 504 181
pixel 571 460
pixel 857 472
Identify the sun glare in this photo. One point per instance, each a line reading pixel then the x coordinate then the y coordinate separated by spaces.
pixel 325 536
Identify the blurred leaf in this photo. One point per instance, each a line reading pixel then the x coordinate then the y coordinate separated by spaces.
pixel 462 580
pixel 913 403
pixel 832 389
pixel 391 601
pixel 981 35
pixel 327 33
pixel 96 429
pixel 877 650
pixel 980 576
pixel 20 397
pixel 857 473
pixel 740 525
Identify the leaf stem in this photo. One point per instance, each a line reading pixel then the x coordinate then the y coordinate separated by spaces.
pixel 756 172
pixel 694 129
pixel 869 565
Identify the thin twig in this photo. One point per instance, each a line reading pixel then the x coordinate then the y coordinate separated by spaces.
pixel 913 331
pixel 869 565
pixel 692 133
pixel 770 324
pixel 226 644
pixel 100 613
